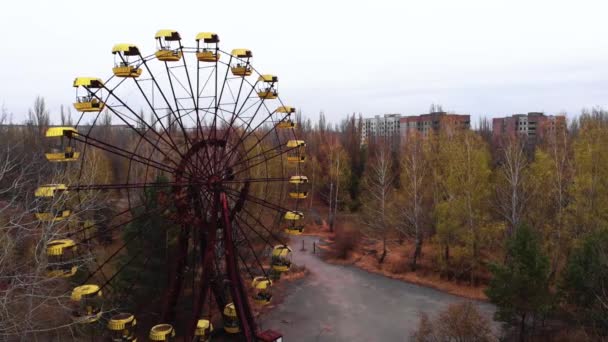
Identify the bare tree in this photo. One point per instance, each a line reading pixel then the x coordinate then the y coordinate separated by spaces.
pixel 414 167
pixel 510 192
pixel 34 306
pixel 377 215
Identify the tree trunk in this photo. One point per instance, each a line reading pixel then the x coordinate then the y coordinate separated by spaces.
pixel 416 254
pixel 447 260
pixel 383 256
pixel 522 329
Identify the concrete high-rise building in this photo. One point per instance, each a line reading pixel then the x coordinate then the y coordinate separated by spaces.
pixel 533 126
pixel 433 122
pixel 397 127
pixel 385 126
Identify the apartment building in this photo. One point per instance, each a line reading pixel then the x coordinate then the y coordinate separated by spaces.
pixel 397 127
pixel 533 125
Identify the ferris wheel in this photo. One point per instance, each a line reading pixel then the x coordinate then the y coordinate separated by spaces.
pixel 215 166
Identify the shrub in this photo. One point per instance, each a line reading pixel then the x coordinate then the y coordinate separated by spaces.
pixel 458 322
pixel 345 241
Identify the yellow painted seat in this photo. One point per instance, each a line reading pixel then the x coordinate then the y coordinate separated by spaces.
pixel 122 327
pixel 294 230
pixel 88 302
pixel 208 52
pixel 122 66
pixel 231 320
pixel 298 194
pixel 162 332
pixel 281 258
pixel 262 288
pixel 293 215
pixel 167 55
pixel 241 70
pixel 203 331
pixel 87 102
pixel 165 51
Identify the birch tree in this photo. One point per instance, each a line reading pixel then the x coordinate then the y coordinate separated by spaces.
pixel 377 215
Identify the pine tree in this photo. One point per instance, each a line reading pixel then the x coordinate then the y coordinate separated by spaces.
pixel 585 283
pixel 148 239
pixel 520 287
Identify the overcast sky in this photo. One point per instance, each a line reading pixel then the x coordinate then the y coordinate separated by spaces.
pixel 483 57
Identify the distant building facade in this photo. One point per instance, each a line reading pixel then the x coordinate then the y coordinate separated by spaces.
pixel 381 126
pixel 396 127
pixel 433 122
pixel 534 126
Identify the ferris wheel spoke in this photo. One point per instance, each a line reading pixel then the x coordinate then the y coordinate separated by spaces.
pixel 179 118
pixel 108 259
pixel 257 221
pixel 121 269
pixel 266 159
pixel 137 131
pixel 263 154
pixel 158 119
pixel 166 100
pixel 260 201
pixel 73 233
pixel 144 215
pixel 88 140
pixel 247 132
pixel 250 245
pixel 258 180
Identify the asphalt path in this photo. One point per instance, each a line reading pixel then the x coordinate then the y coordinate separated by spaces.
pixel 344 303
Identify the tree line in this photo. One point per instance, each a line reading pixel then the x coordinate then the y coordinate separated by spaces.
pixel 528 220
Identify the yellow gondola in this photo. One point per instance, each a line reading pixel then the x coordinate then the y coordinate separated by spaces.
pixel 208 52
pixel 61 258
pixel 281 258
pixel 165 52
pixel 299 187
pixel 293 227
pixel 61 151
pixel 297 155
pixel 231 320
pixel 122 66
pixel 262 287
pixel 45 195
pixel 286 122
pixel 268 90
pixel 88 300
pixel 242 67
pixel 162 332
pixel 203 331
pixel 87 102
pixel 122 327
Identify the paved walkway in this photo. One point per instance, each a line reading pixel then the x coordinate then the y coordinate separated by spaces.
pixel 344 303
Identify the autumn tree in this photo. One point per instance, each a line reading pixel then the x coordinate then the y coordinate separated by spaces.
pixel 378 184
pixel 511 196
pixel 550 177
pixel 462 214
pixel 589 201
pixel 414 193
